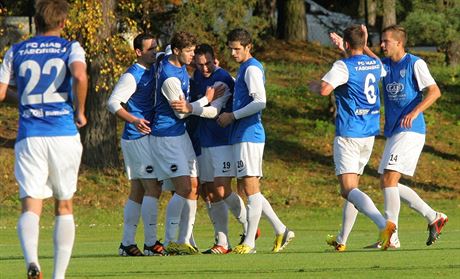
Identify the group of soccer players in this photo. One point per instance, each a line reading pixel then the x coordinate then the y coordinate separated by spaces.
pixel 183 132
pixel 354 81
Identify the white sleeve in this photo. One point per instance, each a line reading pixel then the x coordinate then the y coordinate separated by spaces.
pixel 77 53
pixel 172 89
pixel 422 74
pixel 213 110
pixel 255 82
pixel 384 72
pixel 337 75
pixel 6 70
pixel 124 89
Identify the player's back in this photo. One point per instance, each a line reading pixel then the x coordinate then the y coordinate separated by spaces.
pixel 210 133
pixel 358 100
pixel 43 79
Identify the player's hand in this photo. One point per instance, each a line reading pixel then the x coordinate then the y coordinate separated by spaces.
pixel 213 93
pixel 337 41
pixel 407 120
pixel 366 34
pixel 142 125
pixel 181 105
pixel 225 119
pixel 80 120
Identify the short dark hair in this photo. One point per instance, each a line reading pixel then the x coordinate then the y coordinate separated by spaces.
pixel 203 49
pixel 398 31
pixel 239 35
pixel 49 14
pixel 139 40
pixel 354 36
pixel 182 39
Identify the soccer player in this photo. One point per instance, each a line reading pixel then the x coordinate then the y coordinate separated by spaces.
pixel 50 75
pixel 408 77
pixel 247 137
pixel 354 81
pixel 174 157
pixel 135 89
pixel 216 160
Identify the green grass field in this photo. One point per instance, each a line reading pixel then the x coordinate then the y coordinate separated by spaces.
pixel 98 236
pixel 299 181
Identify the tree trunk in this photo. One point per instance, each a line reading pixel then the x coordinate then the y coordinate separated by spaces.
pixel 266 9
pixel 371 12
pixel 292 20
pixel 389 13
pixel 99 136
pixel 453 53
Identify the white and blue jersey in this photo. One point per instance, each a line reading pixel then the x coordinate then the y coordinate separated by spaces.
pixel 355 82
pixel 39 67
pixel 248 128
pixel 140 103
pixel 166 123
pixel 210 134
pixel 403 87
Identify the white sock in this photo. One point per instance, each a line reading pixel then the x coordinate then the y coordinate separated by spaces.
pixel 149 212
pixel 414 201
pixel 187 220
pixel 236 205
pixel 218 212
pixel 28 231
pixel 173 216
pixel 254 212
pixel 64 236
pixel 349 213
pixel 131 216
pixel 364 204
pixel 268 212
pixel 392 203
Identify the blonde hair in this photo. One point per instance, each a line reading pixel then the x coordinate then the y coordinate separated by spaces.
pixel 398 32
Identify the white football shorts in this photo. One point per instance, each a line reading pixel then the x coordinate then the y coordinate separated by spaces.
pixel 174 156
pixel 216 161
pixel 248 158
pixel 48 166
pixel 401 153
pixel 138 157
pixel 352 154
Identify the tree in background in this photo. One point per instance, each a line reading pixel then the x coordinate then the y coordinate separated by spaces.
pixel 211 20
pixel 292 20
pixel 93 23
pixel 389 13
pixel 436 23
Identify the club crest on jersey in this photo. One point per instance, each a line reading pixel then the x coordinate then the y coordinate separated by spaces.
pixel 149 169
pixel 402 73
pixel 394 87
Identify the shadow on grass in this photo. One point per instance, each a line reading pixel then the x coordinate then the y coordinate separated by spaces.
pixel 447 156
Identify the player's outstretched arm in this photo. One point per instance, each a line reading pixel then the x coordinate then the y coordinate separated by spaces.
pixel 80 88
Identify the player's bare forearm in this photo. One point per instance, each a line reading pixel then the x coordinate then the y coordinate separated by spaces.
pixel 432 94
pixel 3 89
